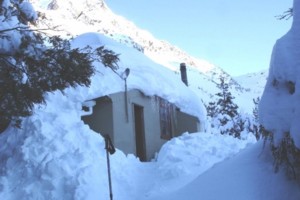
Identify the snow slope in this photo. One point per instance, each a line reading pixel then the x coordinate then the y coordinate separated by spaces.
pixel 246 176
pixel 254 83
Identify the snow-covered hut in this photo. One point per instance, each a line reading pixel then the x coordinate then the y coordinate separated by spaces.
pixel 138 124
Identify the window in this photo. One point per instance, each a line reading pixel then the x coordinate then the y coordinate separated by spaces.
pixel 166 115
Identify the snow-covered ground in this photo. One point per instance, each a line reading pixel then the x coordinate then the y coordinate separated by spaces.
pixel 248 175
pixel 56 156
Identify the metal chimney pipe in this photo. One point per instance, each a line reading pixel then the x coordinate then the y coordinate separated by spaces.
pixel 183 73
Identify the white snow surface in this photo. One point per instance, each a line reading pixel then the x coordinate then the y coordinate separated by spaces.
pixel 56 156
pixel 28 11
pixel 246 176
pixel 279 107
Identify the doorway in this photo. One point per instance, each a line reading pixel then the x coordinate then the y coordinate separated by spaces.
pixel 139 132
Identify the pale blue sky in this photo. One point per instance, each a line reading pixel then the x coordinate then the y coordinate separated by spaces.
pixel 235 35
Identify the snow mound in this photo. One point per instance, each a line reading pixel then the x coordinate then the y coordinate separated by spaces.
pixel 197 149
pixel 54 155
pixel 279 106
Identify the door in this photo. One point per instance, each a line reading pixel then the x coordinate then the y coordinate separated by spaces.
pixel 139 132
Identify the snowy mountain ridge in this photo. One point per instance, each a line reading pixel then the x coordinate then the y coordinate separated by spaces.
pixel 254 82
pixel 120 29
pixel 95 16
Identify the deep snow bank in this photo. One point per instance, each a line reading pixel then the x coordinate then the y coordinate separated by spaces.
pixel 55 156
pixel 279 109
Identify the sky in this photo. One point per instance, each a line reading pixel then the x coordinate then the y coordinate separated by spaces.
pixel 235 35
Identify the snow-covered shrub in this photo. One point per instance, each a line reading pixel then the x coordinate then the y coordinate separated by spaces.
pixel 285 155
pixel 253 122
pixel 279 110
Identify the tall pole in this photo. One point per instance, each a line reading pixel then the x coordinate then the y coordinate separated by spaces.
pixel 110 149
pixel 126 100
pixel 109 176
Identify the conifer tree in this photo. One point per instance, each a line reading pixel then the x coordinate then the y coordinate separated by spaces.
pixel 225 103
pixel 224 112
pixel 211 109
pixel 227 109
pixel 32 63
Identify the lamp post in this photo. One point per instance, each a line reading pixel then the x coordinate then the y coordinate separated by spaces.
pixel 124 76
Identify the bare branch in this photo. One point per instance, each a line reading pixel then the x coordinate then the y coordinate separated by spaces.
pixel 286 15
pixel 20 28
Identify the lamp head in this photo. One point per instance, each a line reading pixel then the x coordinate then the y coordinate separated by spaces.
pixel 125 74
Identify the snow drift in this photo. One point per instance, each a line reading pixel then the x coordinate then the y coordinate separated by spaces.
pixel 279 107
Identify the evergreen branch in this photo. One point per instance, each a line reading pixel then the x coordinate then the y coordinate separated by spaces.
pixel 13 65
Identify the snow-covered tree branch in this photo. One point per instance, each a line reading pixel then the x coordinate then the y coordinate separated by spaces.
pixel 33 63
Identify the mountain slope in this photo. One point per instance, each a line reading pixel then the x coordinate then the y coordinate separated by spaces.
pixel 94 16
pixel 254 82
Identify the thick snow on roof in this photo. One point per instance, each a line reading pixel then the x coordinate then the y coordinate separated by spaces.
pixel 279 106
pixel 145 75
